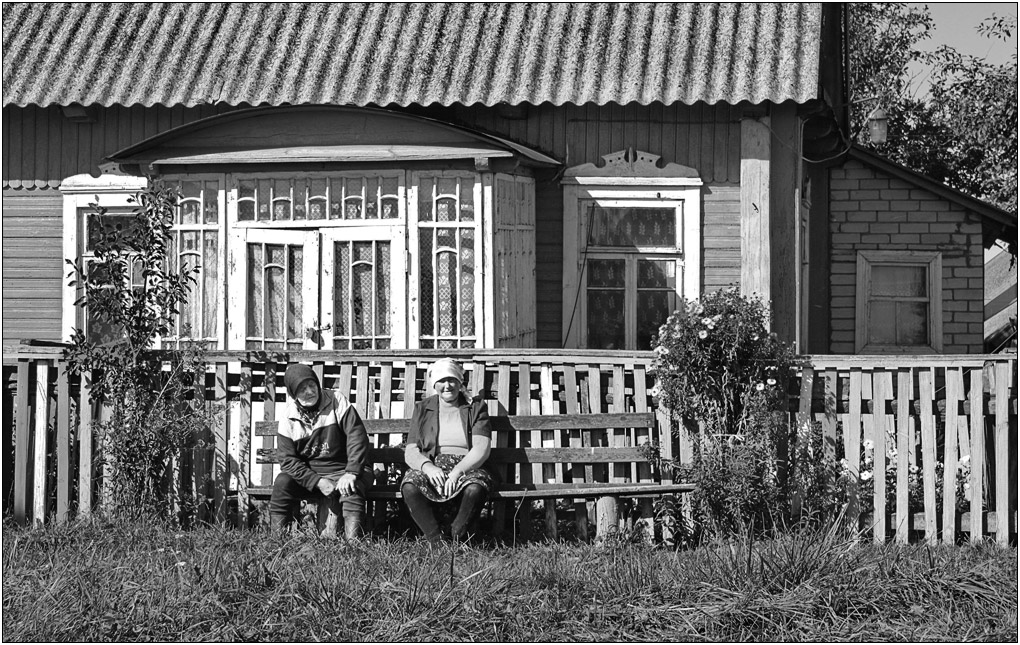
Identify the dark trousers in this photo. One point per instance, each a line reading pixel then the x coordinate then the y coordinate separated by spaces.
pixel 471 501
pixel 288 494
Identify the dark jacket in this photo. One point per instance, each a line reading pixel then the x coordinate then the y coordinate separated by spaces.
pixel 330 442
pixel 424 430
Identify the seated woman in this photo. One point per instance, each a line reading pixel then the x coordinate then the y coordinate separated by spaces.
pixel 447 444
pixel 322 445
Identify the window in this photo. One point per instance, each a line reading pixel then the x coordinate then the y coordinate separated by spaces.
pixel 632 242
pixel 899 302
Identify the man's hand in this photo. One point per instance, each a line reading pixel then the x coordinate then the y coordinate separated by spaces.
pixel 346 484
pixel 435 475
pixel 326 487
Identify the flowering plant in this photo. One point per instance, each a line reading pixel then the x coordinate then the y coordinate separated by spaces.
pixel 722 374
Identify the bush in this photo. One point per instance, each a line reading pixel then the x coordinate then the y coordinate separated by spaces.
pixel 722 376
pixel 132 294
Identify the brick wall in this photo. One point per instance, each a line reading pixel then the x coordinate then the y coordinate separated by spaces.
pixel 871 210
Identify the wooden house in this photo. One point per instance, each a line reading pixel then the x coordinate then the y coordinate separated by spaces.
pixel 476 176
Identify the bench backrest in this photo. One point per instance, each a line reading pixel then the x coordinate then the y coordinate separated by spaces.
pixel 548 443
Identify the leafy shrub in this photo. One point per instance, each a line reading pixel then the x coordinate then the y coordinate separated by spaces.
pixel 132 295
pixel 722 376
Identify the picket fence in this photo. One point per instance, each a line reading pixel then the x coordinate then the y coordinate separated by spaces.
pixel 942 414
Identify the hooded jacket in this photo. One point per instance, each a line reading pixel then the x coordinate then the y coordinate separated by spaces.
pixel 328 440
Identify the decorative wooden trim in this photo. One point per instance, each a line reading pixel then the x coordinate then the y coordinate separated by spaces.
pixel 631 167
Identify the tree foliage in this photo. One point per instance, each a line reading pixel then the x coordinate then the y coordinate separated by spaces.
pixel 958 126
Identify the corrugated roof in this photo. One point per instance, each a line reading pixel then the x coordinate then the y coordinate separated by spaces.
pixel 383 54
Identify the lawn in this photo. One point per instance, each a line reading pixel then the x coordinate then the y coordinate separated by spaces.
pixel 97 582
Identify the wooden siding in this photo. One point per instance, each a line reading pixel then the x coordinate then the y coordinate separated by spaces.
pixel 33 266
pixel 41 147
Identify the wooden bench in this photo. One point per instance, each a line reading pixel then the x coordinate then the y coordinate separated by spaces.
pixel 530 468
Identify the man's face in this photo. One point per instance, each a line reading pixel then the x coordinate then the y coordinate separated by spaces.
pixel 307 393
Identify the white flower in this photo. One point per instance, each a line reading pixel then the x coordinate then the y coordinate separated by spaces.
pixel 891 453
pixel 760 387
pixel 964 460
pixel 661 351
pixel 755 337
pixel 844 464
pixel 706 321
pixel 869 445
pixel 914 470
pixel 702 334
pixel 771 381
pixel 865 475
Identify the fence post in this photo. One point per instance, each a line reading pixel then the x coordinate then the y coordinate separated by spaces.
pixel 1003 375
pixel 63 443
pixel 22 444
pixel 42 415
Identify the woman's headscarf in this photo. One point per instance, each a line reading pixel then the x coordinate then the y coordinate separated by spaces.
pixel 444 368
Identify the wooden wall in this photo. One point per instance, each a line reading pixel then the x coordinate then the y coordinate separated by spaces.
pixel 41 147
pixel 33 268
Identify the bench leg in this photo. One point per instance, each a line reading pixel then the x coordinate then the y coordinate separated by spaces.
pixel 550 519
pixel 581 519
pixel 328 516
pixel 607 518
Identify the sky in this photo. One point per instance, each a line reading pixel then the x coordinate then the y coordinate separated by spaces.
pixel 956 25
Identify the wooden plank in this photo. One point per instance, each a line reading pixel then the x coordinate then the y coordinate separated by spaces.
pixel 882 394
pixel 526 475
pixel 344 384
pixel 269 414
pixel 535 491
pixel 63 446
pixel 977 454
pixel 595 406
pixel 39 447
pixel 904 394
pixel 571 399
pixel 202 469
pixel 551 473
pixel 22 444
pixel 618 436
pixel 361 403
pixel 852 441
pixel 1003 375
pixel 830 421
pixel 506 473
pixel 807 381
pixel 954 388
pixel 410 377
pixel 85 446
pixel 244 446
pixel 926 394
pixel 221 454
pixel 646 523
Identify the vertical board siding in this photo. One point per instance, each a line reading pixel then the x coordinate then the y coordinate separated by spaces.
pixel 33 264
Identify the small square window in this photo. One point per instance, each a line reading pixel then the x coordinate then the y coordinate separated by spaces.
pixel 898 302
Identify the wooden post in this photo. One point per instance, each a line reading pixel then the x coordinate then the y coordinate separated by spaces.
pixel 63 443
pixel 528 475
pixel 904 393
pixel 852 443
pixel 85 446
pixel 1003 376
pixel 42 415
pixel 755 230
pixel 22 444
pixel 548 440
pixel 221 456
pixel 977 455
pixel 803 435
pixel 268 414
pixel 244 446
pixel 646 523
pixel 572 396
pixel 926 393
pixel 502 441
pixel 954 388
pixel 607 522
pixel 882 384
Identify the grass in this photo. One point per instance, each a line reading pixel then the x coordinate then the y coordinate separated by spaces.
pixel 102 582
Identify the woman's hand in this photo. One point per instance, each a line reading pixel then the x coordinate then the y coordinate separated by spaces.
pixel 451 482
pixel 435 475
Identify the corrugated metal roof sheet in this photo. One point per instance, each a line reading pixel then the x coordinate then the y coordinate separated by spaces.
pixel 383 54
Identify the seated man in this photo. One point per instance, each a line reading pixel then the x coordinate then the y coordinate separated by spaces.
pixel 322 446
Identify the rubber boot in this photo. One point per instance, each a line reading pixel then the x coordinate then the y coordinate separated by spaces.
pixel 279 522
pixel 472 500
pixel 354 525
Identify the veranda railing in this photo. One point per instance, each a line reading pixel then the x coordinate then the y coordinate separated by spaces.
pixel 937 411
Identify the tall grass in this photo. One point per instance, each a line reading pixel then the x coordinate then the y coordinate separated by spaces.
pixel 98 582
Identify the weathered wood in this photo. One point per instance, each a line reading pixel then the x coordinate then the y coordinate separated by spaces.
pixel 607 523
pixel 86 468
pixel 552 471
pixel 642 437
pixel 977 453
pixel 22 444
pixel 755 178
pixel 63 447
pixel 577 470
pixel 221 456
pixel 852 441
pixel 39 444
pixel 269 414
pixel 803 430
pixel 244 446
pixel 1003 376
pixel 533 456
pixel 526 475
pixel 954 390
pixel 535 491
pixel 904 387
pixel 926 394
pixel 882 394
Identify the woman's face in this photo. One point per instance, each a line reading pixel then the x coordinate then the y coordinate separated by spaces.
pixel 307 393
pixel 448 389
